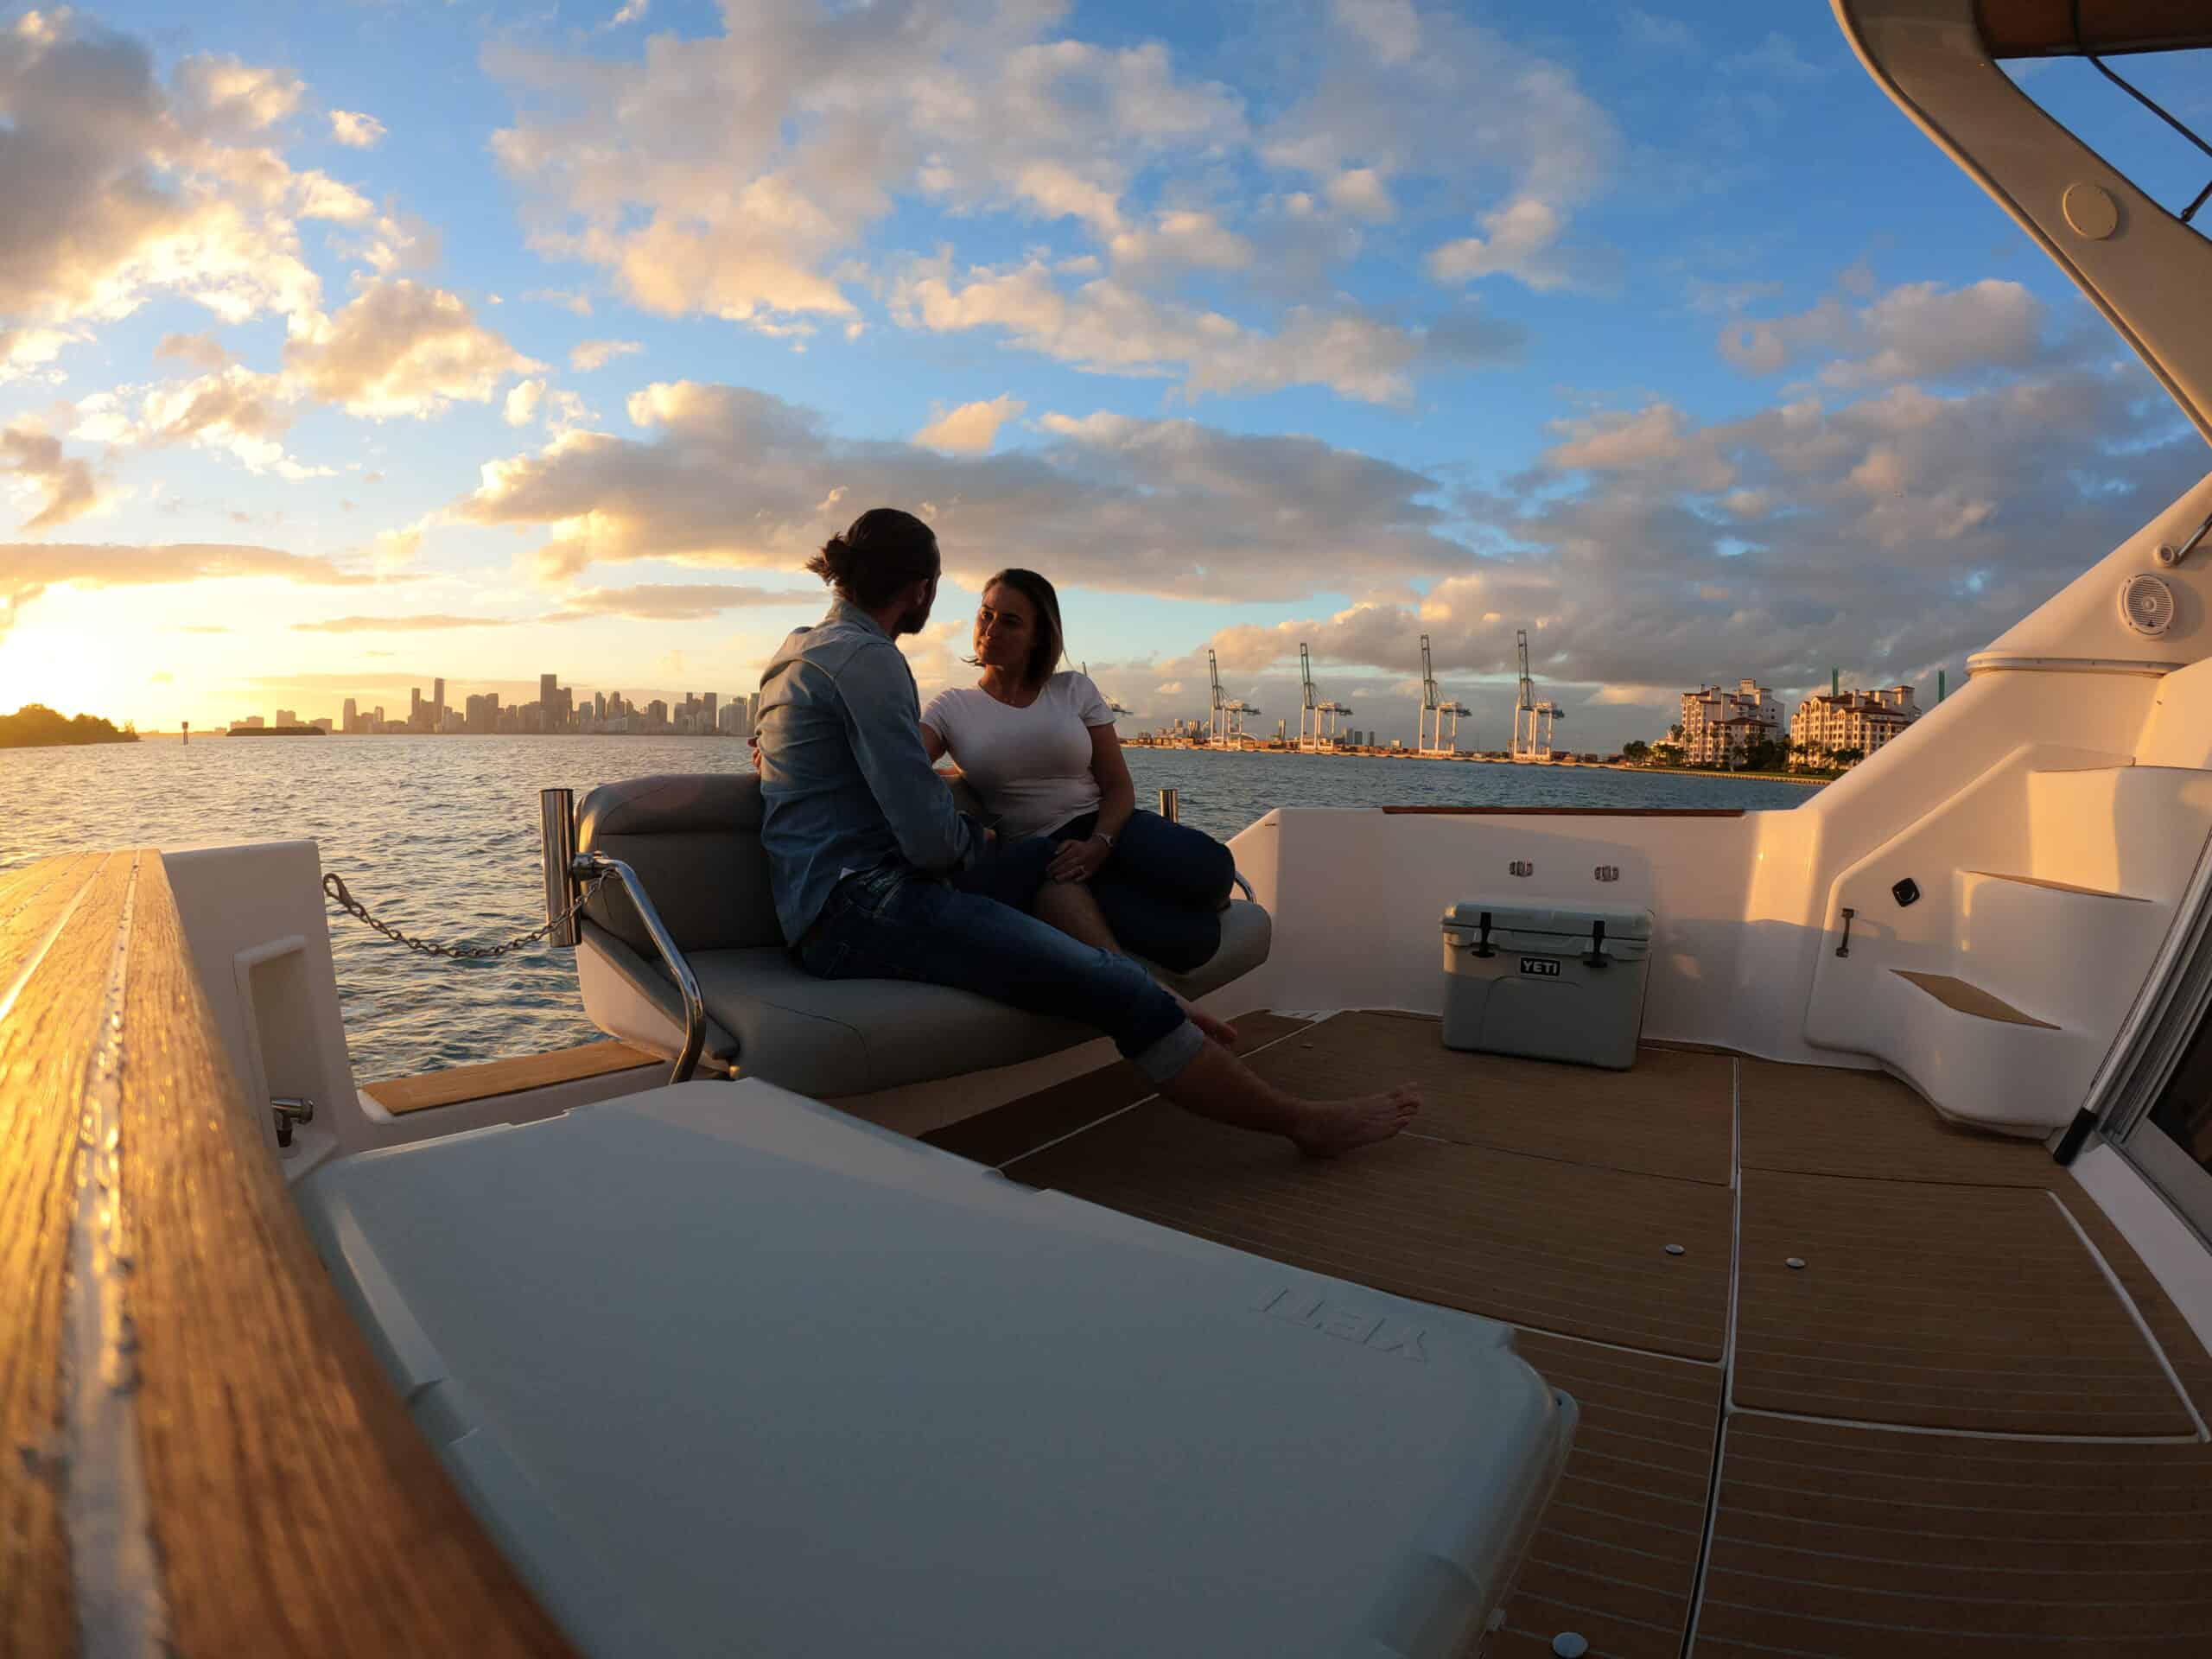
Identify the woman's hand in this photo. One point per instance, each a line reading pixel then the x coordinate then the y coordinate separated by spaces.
pixel 1078 860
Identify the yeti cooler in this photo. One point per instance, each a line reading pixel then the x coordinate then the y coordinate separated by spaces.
pixel 1553 983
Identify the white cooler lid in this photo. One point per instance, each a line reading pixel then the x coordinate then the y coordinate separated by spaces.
pixel 727 1371
pixel 1622 922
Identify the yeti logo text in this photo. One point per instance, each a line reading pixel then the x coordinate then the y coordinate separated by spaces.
pixel 1369 1329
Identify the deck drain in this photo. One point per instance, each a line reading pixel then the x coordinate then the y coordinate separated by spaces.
pixel 1795 1261
pixel 1569 1645
pixel 1674 1250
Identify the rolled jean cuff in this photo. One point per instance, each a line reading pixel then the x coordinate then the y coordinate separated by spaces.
pixel 1162 1061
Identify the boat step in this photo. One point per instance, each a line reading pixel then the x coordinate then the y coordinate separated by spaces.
pixel 1957 993
pixel 2059 887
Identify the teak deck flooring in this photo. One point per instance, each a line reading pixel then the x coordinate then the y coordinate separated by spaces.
pixel 1946 1433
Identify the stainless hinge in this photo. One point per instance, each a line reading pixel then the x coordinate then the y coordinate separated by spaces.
pixel 289 1109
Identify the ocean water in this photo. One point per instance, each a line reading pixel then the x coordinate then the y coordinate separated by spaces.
pixel 439 836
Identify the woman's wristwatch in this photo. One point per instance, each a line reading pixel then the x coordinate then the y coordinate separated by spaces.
pixel 1100 835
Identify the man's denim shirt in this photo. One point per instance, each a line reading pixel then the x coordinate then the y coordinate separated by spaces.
pixel 845 780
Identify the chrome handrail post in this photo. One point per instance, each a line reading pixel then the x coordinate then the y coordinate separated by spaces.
pixel 695 1008
pixel 556 813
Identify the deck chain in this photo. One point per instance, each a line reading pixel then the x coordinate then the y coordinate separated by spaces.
pixel 335 886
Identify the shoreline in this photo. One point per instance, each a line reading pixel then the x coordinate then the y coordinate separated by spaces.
pixel 1466 758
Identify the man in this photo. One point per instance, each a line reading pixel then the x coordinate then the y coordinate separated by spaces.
pixel 868 854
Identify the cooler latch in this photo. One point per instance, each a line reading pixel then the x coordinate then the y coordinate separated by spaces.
pixel 1597 957
pixel 1482 946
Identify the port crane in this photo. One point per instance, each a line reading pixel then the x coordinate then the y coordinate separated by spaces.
pixel 1310 737
pixel 1449 741
pixel 1113 704
pixel 1532 720
pixel 1217 727
pixel 1427 737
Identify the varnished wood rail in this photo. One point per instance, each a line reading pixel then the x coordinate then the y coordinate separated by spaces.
pixel 233 1474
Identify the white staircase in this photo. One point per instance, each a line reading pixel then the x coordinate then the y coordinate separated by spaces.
pixel 2045 888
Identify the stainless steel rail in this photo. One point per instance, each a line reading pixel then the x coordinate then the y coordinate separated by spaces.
pixel 566 868
pixel 582 868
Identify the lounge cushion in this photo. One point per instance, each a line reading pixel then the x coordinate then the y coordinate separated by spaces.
pixel 829 1038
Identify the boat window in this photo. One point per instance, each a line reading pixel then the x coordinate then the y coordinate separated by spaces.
pixel 2148 113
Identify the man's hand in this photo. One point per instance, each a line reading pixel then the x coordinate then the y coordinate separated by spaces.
pixel 1078 860
pixel 753 744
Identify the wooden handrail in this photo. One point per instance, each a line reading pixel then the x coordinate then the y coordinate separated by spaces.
pixel 235 1475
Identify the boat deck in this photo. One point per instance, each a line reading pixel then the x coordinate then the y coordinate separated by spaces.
pixel 1853 1383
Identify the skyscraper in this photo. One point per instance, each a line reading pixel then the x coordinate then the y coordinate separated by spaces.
pixel 709 698
pixel 437 705
pixel 352 721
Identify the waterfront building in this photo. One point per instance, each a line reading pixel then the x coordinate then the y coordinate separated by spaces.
pixel 252 722
pixel 1863 721
pixel 322 724
pixel 707 700
pixel 437 705
pixel 483 713
pixel 656 715
pixel 351 722
pixel 752 713
pixel 1718 725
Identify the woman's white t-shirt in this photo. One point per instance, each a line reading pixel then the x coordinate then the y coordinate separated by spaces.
pixel 1031 766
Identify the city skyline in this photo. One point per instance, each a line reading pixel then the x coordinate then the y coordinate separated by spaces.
pixel 1679 351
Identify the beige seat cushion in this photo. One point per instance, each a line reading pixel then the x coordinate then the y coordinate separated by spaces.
pixel 827 1037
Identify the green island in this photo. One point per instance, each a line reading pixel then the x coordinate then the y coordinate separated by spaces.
pixel 34 725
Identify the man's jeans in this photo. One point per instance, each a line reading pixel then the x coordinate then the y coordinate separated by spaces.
pixel 895 923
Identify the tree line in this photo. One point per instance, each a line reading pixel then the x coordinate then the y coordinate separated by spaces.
pixel 34 725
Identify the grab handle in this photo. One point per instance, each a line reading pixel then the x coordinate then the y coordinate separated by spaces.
pixel 1844 949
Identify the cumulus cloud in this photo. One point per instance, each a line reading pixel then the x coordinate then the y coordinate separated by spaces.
pixel 1900 529
pixel 234 410
pixel 735 478
pixel 598 353
pixel 354 130
pixel 1917 331
pixel 522 398
pixel 401 348
pixel 741 176
pixel 59 487
pixel 25 353
pixel 972 428
pixel 1105 326
pixel 114 187
pixel 201 351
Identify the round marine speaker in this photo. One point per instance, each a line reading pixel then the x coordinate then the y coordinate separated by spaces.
pixel 2146 605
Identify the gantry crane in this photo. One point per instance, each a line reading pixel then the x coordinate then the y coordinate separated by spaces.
pixel 1532 720
pixel 1428 736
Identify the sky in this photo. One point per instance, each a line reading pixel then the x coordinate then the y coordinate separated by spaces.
pixel 343 346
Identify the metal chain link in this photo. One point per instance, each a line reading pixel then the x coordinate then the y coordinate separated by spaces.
pixel 336 888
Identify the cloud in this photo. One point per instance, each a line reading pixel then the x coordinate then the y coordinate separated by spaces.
pixel 1900 530
pixel 579 303
pixel 1917 331
pixel 114 187
pixel 201 351
pixel 1524 145
pixel 354 130
pixel 632 11
pixel 598 353
pixel 62 487
pixel 733 478
pixel 25 353
pixel 676 603
pixel 235 410
pixel 1104 325
pixel 401 349
pixel 424 624
pixel 28 568
pixel 522 398
pixel 972 428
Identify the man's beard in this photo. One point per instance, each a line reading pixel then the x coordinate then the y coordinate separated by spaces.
pixel 914 620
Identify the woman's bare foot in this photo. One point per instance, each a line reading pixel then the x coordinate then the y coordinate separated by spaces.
pixel 1335 1126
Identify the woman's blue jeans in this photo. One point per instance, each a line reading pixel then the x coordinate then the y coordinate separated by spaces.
pixel 1161 889
pixel 895 923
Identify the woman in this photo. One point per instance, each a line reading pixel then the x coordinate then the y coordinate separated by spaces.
pixel 1038 745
